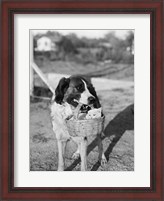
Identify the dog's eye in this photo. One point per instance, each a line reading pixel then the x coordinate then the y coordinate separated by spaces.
pixel 79 87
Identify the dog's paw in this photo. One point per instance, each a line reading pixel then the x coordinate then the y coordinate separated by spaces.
pixel 103 160
pixel 60 169
pixel 76 155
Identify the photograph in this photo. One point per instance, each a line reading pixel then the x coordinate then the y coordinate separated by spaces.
pixel 81 100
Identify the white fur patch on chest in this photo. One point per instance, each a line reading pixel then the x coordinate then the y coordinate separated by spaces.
pixel 58 114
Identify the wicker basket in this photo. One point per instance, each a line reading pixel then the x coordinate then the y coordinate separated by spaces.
pixel 85 127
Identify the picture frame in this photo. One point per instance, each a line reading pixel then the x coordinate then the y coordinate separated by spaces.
pixel 155 10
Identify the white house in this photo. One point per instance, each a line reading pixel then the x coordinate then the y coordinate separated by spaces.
pixel 45 44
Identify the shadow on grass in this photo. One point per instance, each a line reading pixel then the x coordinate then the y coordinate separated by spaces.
pixel 116 127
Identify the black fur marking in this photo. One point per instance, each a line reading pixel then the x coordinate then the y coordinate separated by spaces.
pixel 91 89
pixel 61 89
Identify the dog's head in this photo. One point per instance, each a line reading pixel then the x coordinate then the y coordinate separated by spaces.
pixel 76 89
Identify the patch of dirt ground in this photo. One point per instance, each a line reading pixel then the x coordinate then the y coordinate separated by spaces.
pixel 118 141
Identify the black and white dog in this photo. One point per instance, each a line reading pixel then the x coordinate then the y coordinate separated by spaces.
pixel 69 92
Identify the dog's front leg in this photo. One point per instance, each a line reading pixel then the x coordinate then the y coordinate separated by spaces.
pixel 102 158
pixel 61 154
pixel 83 153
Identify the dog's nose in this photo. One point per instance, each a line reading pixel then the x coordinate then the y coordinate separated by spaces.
pixel 91 99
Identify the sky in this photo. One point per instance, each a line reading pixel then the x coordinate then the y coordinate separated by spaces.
pixel 87 33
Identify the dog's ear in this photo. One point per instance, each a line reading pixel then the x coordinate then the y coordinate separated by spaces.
pixel 61 89
pixel 93 92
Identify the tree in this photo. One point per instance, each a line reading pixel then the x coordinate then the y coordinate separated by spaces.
pixel 130 41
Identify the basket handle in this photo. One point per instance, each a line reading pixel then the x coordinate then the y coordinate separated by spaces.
pixel 77 111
